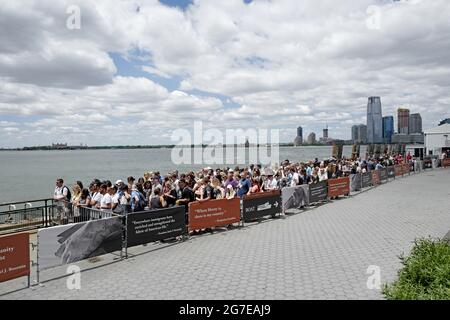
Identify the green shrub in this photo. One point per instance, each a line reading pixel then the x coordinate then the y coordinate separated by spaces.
pixel 425 274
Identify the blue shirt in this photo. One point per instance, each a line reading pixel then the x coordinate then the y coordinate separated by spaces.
pixel 245 187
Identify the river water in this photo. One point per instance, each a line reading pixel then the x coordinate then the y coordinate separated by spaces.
pixel 29 175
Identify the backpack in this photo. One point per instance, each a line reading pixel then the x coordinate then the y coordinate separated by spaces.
pixel 69 194
pixel 141 204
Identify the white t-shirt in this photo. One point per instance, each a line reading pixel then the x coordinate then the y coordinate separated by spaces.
pixel 115 198
pixel 322 176
pixel 106 200
pixel 61 193
pixel 97 197
pixel 295 179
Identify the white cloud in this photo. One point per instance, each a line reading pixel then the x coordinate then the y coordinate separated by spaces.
pixel 286 63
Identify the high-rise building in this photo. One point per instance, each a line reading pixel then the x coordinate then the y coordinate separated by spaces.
pixel 388 129
pixel 300 132
pixel 299 139
pixel 362 133
pixel 415 123
pixel 403 121
pixel 325 133
pixel 374 121
pixel 312 138
pixel 355 135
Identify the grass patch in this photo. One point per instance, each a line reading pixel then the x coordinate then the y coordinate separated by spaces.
pixel 425 274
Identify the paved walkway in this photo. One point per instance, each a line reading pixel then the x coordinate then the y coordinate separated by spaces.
pixel 321 253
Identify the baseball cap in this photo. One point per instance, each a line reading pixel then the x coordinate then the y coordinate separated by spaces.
pixel 119 182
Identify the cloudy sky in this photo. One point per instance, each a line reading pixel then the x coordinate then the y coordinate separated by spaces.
pixel 136 70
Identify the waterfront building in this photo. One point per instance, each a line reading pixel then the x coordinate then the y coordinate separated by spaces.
pixel 311 138
pixel 388 129
pixel 403 121
pixel 415 123
pixel 362 134
pixel 355 135
pixel 299 139
pixel 374 121
pixel 325 134
pixel 437 140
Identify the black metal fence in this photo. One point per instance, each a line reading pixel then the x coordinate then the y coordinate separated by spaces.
pixel 43 213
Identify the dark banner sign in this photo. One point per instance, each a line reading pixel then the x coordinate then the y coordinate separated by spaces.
pixel 391 172
pixel 151 226
pixel 14 256
pixel 214 213
pixel 259 205
pixel 376 177
pixel 339 187
pixel 398 170
pixel 366 179
pixel 384 174
pixel 295 197
pixel 355 182
pixel 318 191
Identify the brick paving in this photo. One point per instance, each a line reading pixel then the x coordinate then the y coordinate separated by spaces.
pixel 320 253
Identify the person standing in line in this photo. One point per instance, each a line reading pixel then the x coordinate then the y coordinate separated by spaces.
pixel 106 202
pixel 62 197
pixel 244 185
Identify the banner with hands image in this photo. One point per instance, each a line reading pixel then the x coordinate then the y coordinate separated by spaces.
pixel 75 242
pixel 295 197
pixel 355 182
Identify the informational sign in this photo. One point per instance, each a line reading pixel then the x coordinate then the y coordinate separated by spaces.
pixel 14 256
pixel 295 197
pixel 376 177
pixel 318 192
pixel 366 179
pixel 262 204
pixel 338 187
pixel 74 242
pixel 384 175
pixel 151 226
pixel 214 213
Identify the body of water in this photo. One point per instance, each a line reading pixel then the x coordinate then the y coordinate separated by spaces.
pixel 29 175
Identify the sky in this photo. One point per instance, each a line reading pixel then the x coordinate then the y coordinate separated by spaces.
pixel 132 72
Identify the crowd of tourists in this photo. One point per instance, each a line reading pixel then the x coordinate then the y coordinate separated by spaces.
pixel 156 191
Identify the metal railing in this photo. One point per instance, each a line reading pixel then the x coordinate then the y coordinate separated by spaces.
pixel 43 213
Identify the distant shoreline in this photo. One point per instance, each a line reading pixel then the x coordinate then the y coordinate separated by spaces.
pixel 74 148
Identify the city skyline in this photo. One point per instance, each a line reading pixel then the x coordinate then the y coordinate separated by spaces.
pixel 155 66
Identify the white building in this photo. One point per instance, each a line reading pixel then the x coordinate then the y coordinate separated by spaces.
pixel 437 140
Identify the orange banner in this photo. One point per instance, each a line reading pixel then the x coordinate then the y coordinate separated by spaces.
pixel 14 256
pixel 406 169
pixel 214 213
pixel 398 170
pixel 376 178
pixel 339 187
